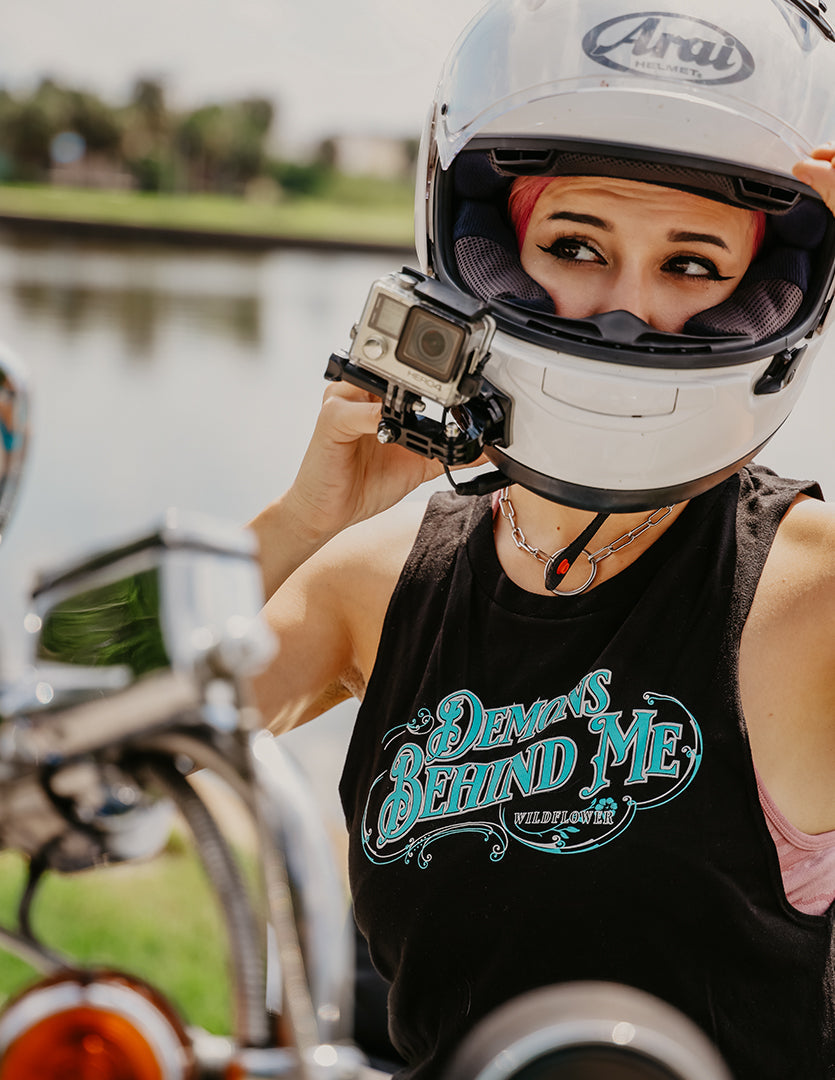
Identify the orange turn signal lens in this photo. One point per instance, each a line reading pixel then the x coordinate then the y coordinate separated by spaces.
pixel 92 1026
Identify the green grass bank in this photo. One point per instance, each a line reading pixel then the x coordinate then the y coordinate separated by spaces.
pixel 348 211
pixel 155 919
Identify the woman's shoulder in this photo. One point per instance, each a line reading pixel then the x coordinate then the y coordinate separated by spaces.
pixel 809 529
pixel 800 570
pixel 787 666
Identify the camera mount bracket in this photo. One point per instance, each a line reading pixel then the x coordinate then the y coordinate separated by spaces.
pixel 456 441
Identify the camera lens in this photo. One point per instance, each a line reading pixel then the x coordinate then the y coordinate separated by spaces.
pixel 432 344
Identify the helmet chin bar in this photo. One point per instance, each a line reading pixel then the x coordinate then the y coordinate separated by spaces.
pixel 623 338
pixel 608 500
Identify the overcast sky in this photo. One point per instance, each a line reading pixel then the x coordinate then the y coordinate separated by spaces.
pixel 330 65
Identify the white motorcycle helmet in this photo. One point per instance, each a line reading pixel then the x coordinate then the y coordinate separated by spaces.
pixel 718 98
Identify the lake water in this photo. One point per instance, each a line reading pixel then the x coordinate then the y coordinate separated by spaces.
pixel 166 377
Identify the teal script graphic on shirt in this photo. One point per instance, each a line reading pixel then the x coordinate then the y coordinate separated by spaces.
pixel 563 775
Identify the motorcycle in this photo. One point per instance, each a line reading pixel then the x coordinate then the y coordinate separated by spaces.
pixel 139 659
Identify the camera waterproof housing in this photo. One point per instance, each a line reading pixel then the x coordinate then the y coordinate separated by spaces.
pixel 416 333
pixel 420 340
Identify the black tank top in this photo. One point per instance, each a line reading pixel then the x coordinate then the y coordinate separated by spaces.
pixel 543 789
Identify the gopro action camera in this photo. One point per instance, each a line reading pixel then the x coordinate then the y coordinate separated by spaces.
pixel 419 340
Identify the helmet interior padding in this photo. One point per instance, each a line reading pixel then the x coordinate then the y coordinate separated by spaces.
pixel 493 272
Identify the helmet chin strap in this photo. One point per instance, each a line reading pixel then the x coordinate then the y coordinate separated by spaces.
pixel 483 484
pixel 555 570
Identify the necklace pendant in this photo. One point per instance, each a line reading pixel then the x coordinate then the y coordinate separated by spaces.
pixel 556 568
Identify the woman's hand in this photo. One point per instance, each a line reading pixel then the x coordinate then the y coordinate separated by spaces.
pixel 346 476
pixel 818 171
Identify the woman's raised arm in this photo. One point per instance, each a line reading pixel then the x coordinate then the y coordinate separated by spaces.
pixel 346 476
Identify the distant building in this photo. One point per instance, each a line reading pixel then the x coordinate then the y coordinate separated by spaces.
pixel 371 155
pixel 91 171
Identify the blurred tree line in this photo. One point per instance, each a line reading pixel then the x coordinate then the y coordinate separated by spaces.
pixel 55 133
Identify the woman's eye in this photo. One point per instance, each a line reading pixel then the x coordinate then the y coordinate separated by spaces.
pixel 572 249
pixel 695 267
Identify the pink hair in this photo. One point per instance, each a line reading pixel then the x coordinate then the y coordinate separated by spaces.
pixel 759 230
pixel 525 193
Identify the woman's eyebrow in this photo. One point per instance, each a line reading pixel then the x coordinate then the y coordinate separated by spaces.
pixel 696 238
pixel 580 219
pixel 674 237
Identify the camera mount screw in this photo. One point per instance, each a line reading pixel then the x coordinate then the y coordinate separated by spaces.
pixel 386 433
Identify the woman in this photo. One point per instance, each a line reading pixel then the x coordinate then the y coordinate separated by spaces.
pixel 546 787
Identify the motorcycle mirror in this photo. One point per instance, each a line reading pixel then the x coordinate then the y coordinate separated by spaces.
pixel 587 1031
pixel 14 427
pixel 185 596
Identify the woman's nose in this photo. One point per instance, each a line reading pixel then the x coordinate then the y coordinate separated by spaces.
pixel 629 291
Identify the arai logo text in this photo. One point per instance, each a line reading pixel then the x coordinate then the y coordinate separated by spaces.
pixel 663 45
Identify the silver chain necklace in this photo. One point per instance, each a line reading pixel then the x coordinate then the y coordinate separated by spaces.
pixel 518 537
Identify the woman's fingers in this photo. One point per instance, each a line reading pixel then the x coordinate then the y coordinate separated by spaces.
pixel 818 171
pixel 348 418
